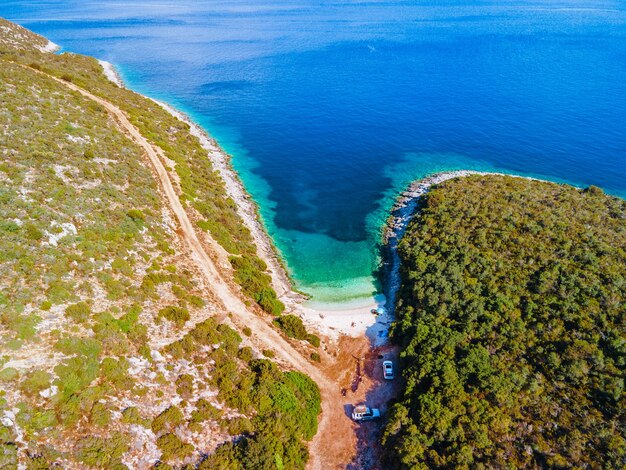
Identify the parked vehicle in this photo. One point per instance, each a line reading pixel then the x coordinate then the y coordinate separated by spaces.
pixel 388 370
pixel 364 413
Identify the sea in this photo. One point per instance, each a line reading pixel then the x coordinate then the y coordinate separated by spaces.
pixel 330 108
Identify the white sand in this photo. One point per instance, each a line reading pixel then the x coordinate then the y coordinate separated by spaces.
pixel 111 73
pixel 50 47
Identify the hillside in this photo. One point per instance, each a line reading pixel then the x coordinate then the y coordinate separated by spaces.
pixel 116 350
pixel 511 320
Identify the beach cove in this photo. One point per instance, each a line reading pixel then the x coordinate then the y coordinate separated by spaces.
pixel 430 92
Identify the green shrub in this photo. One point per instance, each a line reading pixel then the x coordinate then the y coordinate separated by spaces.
pixel 33 232
pixel 116 373
pixel 79 312
pixel 313 339
pixel 239 425
pixel 292 326
pixel 246 354
pixel 224 458
pixel 230 339
pixel 178 315
pixel 205 333
pixel 100 414
pixel 316 357
pixel 167 420
pixel 195 301
pixel 102 452
pixel 136 215
pixel 268 353
pixel 35 382
pixel 184 385
pixel 173 447
pixel 131 415
pixel 247 331
pixel 205 411
pixel 249 273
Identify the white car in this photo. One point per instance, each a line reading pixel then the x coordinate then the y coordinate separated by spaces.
pixel 364 413
pixel 388 370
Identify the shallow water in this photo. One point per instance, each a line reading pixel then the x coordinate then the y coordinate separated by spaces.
pixel 331 109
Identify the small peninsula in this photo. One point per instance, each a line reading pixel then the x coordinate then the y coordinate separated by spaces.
pixel 510 321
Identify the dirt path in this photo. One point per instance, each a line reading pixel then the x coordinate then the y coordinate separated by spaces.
pixel 334 441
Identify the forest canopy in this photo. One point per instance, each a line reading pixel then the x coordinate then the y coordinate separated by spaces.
pixel 510 320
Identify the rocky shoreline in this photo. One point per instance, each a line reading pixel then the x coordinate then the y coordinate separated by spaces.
pixel 401 214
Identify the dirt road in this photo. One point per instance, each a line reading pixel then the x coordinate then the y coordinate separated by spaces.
pixel 335 441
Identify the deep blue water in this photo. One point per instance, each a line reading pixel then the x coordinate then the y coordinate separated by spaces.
pixel 331 108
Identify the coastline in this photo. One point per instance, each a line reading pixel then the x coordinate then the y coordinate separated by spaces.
pixel 333 320
pixel 330 320
pixel 246 207
pixel 401 214
pixel 50 48
pixel 111 73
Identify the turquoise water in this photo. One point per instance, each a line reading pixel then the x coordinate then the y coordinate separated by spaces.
pixel 330 109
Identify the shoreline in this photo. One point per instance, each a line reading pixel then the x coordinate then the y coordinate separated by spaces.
pixel 111 73
pixel 335 319
pixel 246 206
pixel 50 48
pixel 401 214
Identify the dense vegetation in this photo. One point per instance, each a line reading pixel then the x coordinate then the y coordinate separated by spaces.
pixel 511 319
pixel 111 353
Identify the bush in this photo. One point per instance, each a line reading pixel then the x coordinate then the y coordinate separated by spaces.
pixel 184 385
pixel 116 373
pixel 173 448
pixel 131 415
pixel 313 339
pixel 205 411
pixel 246 354
pixel 230 339
pixel 35 382
pixel 239 425
pixel 100 414
pixel 102 452
pixel 33 232
pixel 268 353
pixel 8 374
pixel 249 273
pixel 178 315
pixel 247 331
pixel 292 326
pixel 79 312
pixel 136 215
pixel 316 357
pixel 167 420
